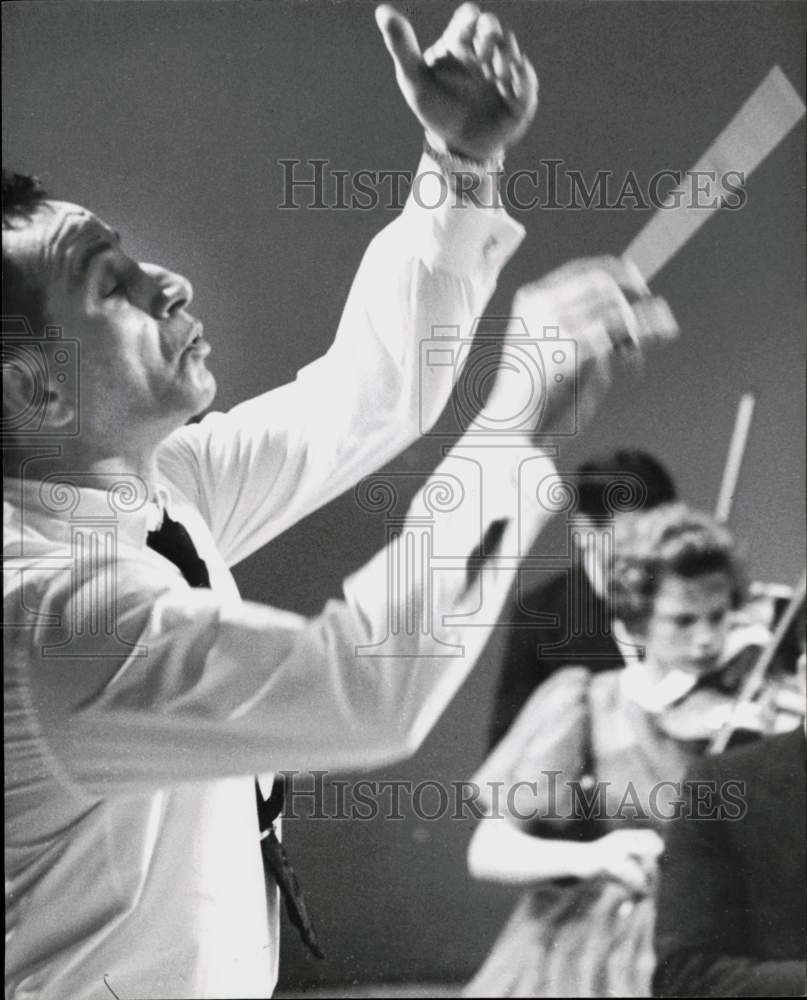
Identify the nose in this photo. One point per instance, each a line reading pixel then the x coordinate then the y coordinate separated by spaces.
pixel 176 294
pixel 168 292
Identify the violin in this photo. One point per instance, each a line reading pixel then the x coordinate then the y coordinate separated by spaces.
pixel 761 687
pixel 758 689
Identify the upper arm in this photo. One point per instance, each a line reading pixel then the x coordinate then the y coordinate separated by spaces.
pixel 188 685
pixel 544 748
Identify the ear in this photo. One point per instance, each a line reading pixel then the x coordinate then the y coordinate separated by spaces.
pixel 34 402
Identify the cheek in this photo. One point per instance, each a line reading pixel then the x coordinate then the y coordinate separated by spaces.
pixel 119 358
pixel 666 641
pixel 99 352
pixel 133 344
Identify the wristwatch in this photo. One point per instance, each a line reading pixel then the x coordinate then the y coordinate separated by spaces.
pixel 451 163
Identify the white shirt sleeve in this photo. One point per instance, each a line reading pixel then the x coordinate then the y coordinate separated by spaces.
pixel 223 687
pixel 261 467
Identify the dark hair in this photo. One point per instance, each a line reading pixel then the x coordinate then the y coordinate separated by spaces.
pixel 670 540
pixel 627 479
pixel 23 295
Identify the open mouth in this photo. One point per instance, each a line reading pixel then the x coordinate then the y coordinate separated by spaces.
pixel 196 346
pixel 196 335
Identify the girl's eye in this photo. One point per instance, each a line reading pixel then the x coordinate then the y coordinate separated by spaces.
pixel 114 291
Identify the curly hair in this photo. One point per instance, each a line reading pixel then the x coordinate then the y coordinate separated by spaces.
pixel 669 540
pixel 23 294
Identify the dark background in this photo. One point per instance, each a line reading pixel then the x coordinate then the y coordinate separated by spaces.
pixel 168 120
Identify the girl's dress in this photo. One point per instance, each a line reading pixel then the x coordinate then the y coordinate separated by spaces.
pixel 575 937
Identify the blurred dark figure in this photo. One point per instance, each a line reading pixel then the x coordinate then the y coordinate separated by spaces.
pixel 576 602
pixel 732 919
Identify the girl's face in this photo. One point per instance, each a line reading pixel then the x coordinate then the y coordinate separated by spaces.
pixel 687 627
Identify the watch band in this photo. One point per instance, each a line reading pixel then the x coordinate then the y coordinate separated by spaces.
pixel 451 163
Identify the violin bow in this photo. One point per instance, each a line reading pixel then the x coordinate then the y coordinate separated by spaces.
pixel 756 675
pixel 734 458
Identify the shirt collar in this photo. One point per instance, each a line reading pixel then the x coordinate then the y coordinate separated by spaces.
pixel 133 505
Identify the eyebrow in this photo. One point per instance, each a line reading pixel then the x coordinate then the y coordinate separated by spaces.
pixel 109 242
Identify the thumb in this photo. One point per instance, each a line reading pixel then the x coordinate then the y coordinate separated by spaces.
pixel 401 41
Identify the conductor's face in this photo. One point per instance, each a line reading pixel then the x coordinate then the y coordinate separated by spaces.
pixel 141 369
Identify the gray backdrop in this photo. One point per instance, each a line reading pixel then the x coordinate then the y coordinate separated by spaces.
pixel 168 119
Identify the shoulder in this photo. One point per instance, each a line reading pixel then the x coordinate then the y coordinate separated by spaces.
pixel 556 707
pixel 568 686
pixel 551 718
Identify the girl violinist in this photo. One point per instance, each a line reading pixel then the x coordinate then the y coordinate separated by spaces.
pixel 578 788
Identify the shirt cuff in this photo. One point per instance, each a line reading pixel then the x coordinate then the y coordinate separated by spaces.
pixel 468 229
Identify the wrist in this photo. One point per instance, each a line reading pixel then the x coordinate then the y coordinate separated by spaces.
pixel 474 182
pixel 588 861
pixel 452 160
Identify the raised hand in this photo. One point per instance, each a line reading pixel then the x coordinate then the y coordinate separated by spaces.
pixel 602 303
pixel 598 310
pixel 473 90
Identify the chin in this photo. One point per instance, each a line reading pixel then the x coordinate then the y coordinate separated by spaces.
pixel 211 389
pixel 203 396
pixel 192 403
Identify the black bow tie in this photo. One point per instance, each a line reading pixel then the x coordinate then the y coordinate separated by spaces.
pixel 172 541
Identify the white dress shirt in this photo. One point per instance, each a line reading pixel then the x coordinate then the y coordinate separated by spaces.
pixel 137 709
